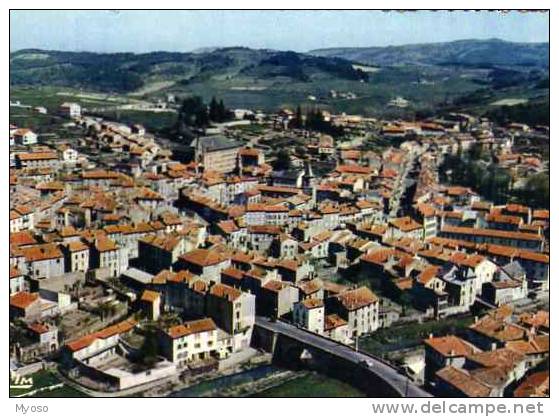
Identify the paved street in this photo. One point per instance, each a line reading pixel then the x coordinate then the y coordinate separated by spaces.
pixel 401 383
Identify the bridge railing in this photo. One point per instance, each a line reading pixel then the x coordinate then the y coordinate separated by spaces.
pixel 383 361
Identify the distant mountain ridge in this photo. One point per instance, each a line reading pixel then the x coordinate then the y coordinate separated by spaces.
pixel 470 73
pixel 125 72
pixel 462 52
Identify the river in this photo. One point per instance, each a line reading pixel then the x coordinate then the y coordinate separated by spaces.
pixel 300 384
pixel 224 382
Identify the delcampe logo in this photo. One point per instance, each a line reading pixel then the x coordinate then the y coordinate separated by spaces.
pixel 20 382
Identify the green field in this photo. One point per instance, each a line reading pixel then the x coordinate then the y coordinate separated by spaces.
pixel 410 335
pixel 372 96
pixel 30 119
pixel 312 386
pixel 152 121
pixel 52 97
pixel 43 124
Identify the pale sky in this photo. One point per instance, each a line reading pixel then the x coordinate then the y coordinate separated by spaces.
pixel 182 31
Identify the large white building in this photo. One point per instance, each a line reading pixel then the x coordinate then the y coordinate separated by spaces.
pixel 98 345
pixel 190 342
pixel 359 307
pixel 233 311
pixel 23 136
pixel 309 314
pixel 70 110
pixel 217 153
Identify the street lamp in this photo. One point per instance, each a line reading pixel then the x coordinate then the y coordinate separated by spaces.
pixel 407 385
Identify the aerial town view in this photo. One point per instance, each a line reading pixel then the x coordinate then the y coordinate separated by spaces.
pixel 266 212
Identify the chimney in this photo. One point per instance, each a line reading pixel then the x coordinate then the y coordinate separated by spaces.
pixel 430 335
pixel 533 330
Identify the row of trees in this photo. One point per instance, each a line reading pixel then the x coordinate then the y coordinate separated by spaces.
pixel 535 192
pixel 488 179
pixel 217 112
pixel 195 114
pixel 476 170
pixel 530 113
pixel 314 120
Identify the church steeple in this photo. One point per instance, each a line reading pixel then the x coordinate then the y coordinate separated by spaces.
pixel 308 176
pixel 239 167
pixel 309 181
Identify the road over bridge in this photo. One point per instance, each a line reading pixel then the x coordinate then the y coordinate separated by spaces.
pixel 364 366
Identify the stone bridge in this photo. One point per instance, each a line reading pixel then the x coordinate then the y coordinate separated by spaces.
pixel 296 348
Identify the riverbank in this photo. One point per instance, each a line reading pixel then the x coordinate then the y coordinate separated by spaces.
pixel 255 378
pixel 200 385
pixel 310 385
pixel 270 381
pixel 241 384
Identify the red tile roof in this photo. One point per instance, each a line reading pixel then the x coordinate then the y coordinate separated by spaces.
pixel 203 257
pixel 353 169
pixel 85 341
pixel 450 346
pixel 150 296
pixel 312 303
pixel 535 385
pixel 463 382
pixel 192 327
pixel 14 272
pixel 37 156
pixel 358 298
pixel 225 292
pixel 42 252
pixel 22 238
pixel 333 321
pixel 23 299
pixel 491 233
pixel 405 224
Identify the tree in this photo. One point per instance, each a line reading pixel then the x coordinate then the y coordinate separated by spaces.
pixel 298 120
pixel 150 349
pixel 535 192
pixel 283 161
pixel 192 113
pixel 315 121
pixel 222 112
pixel 214 110
pixel 217 112
pixel 475 152
pixel 488 179
pixel 405 301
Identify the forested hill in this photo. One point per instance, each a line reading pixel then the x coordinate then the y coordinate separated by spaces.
pixel 125 72
pixel 464 52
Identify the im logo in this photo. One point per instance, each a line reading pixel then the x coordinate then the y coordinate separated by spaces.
pixel 20 382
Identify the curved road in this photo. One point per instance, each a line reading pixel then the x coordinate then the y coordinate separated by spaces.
pixel 399 382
